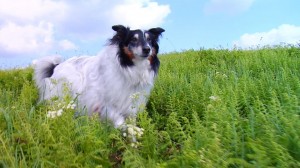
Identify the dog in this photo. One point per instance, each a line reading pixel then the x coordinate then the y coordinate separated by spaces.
pixel 114 84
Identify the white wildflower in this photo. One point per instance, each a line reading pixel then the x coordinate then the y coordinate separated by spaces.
pixel 134 145
pixel 137 129
pixel 129 125
pixel 59 112
pixel 214 98
pixel 135 95
pixel 134 130
pixel 71 105
pixel 51 114
pixel 139 135
pixel 68 106
pixel 130 131
pixel 59 104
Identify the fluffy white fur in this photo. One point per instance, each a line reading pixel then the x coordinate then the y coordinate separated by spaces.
pixel 101 84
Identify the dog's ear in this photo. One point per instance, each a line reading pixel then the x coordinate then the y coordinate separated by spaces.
pixel 156 32
pixel 120 35
pixel 119 28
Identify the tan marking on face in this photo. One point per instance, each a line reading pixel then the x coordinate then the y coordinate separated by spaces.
pixel 128 53
pixel 152 55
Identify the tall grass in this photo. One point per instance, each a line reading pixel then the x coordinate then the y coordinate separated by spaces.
pixel 209 108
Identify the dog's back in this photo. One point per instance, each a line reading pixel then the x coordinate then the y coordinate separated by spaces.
pixel 52 75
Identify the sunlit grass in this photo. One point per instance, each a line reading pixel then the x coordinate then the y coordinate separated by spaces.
pixel 209 108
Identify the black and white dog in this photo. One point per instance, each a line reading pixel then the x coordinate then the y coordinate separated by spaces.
pixel 115 83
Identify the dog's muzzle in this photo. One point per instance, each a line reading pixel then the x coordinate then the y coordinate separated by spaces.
pixel 146 51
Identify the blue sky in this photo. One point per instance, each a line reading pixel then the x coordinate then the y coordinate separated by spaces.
pixel 35 28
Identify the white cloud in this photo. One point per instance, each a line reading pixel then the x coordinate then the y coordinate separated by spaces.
pixel 28 38
pixel 140 14
pixel 227 6
pixel 28 27
pixel 285 33
pixel 32 10
pixel 67 45
pixel 43 26
pixel 92 19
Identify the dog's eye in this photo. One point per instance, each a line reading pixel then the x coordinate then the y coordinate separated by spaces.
pixel 134 39
pixel 148 39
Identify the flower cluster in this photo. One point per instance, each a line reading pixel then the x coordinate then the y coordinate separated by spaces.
pixel 214 98
pixel 135 96
pixel 61 108
pixel 53 114
pixel 133 132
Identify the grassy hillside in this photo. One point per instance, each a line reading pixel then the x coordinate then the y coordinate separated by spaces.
pixel 209 108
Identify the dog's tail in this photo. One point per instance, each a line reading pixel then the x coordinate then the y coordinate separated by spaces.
pixel 44 68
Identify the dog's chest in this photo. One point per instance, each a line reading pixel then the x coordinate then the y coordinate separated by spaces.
pixel 130 80
pixel 115 83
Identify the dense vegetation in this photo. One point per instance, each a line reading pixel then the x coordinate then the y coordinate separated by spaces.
pixel 209 108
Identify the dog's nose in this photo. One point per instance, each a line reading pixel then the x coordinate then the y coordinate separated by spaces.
pixel 146 50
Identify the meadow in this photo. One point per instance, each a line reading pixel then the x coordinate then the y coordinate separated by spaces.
pixel 209 108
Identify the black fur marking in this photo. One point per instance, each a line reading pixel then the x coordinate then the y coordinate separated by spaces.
pixel 155 33
pixel 155 64
pixel 124 60
pixel 121 39
pixel 49 70
pixel 155 61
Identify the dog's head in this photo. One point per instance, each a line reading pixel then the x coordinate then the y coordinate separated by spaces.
pixel 136 44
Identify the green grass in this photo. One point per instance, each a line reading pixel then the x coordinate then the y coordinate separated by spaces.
pixel 209 108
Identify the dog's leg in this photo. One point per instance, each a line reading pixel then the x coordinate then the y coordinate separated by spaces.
pixel 112 115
